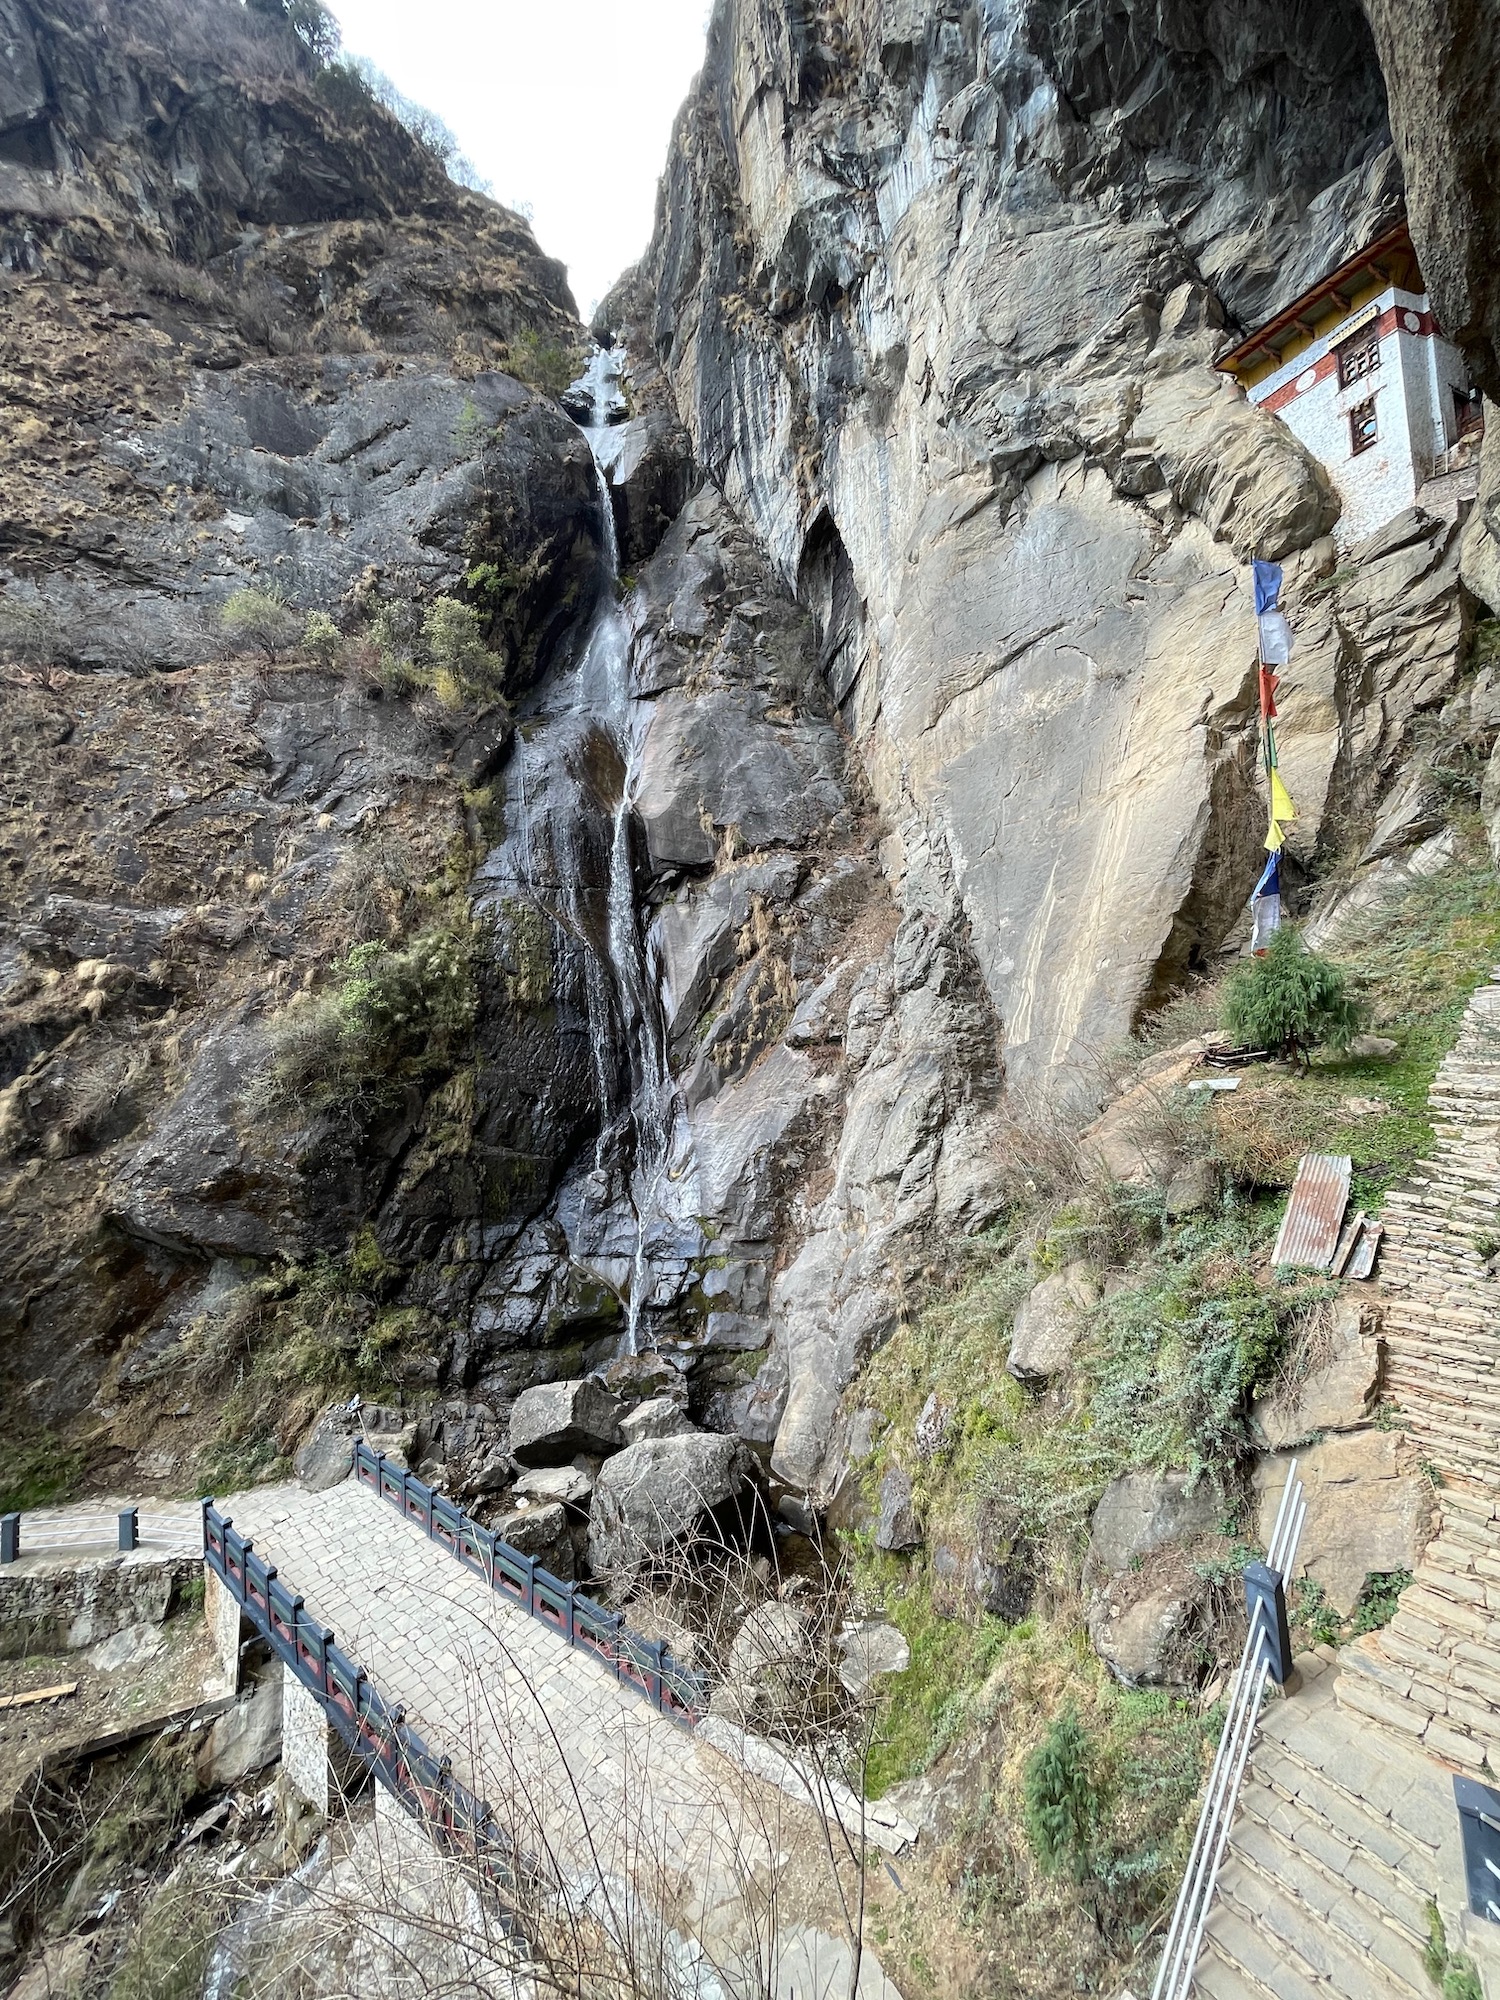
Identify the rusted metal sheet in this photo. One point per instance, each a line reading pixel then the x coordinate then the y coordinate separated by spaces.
pixel 1309 1233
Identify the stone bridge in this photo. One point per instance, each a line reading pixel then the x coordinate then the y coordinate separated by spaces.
pixel 583 1765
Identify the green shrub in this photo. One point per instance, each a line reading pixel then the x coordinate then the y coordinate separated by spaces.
pixel 1454 1973
pixel 1379 1597
pixel 1063 1798
pixel 393 1014
pixel 541 363
pixel 441 650
pixel 260 620
pixel 321 639
pixel 38 1469
pixel 1290 999
pixel 1174 1358
pixel 458 655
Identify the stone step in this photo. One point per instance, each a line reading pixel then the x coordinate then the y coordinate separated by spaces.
pixel 1367 1904
pixel 1339 1833
pixel 1394 1825
pixel 1314 1940
pixel 1254 1958
pixel 1219 1980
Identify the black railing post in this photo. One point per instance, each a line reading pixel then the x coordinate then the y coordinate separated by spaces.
pixel 128 1523
pixel 1264 1592
pixel 10 1538
pixel 207 1506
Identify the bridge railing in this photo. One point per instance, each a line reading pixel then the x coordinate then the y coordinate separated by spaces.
pixel 374 1730
pixel 679 1692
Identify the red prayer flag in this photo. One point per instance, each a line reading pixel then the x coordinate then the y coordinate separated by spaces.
pixel 1269 683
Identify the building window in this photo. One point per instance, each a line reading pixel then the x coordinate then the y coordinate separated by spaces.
pixel 1359 357
pixel 1468 409
pixel 1362 427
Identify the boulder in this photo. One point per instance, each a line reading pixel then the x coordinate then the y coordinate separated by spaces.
pixel 657 1417
pixel 635 1377
pixel 1131 1140
pixel 657 1494
pixel 552 1421
pixel 1335 1395
pixel 541 1532
pixel 772 1636
pixel 1374 1048
pixel 871 1649
pixel 328 1455
pixel 650 469
pixel 1366 1513
pixel 1143 1641
pixel 244 1738
pixel 897 1529
pixel 568 1484
pixel 1192 1188
pixel 1048 1323
pixel 1141 1512
pixel 934 1427
pixel 769 1661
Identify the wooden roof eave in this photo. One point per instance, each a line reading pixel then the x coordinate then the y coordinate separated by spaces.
pixel 1294 318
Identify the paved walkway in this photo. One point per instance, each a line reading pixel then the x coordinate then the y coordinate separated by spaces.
pixel 1343 1835
pixel 1347 1825
pixel 1434 1672
pixel 91 1528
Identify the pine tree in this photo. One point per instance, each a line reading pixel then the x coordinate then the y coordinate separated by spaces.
pixel 1062 1798
pixel 1290 999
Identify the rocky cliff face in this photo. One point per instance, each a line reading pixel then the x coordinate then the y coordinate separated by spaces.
pixel 524 965
pixel 257 351
pixel 936 291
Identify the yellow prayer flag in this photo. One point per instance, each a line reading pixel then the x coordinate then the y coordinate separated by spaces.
pixel 1274 836
pixel 1281 799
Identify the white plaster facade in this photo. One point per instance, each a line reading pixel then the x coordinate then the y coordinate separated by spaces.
pixel 1414 389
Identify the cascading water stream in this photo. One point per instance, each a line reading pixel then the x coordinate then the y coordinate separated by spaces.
pixel 654 1107
pixel 630 1221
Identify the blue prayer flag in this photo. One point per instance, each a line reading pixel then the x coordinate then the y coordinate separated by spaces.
pixel 1267 586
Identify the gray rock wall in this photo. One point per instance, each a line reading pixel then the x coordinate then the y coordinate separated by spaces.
pixel 937 292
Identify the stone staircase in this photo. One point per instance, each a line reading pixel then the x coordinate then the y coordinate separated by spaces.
pixel 1442 1321
pixel 1347 1826
pixel 1342 1836
pixel 1434 1672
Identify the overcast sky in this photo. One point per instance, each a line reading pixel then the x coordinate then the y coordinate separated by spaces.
pixel 567 108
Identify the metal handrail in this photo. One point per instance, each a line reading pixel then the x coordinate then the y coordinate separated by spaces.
pixel 1174 1977
pixel 680 1693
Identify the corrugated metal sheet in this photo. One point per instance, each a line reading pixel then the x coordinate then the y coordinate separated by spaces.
pixel 1309 1232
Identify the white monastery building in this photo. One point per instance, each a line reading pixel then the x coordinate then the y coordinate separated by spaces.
pixel 1360 371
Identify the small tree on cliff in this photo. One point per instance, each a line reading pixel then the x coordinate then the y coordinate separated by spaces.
pixel 1290 999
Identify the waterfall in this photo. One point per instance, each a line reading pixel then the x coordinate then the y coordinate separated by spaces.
pixel 629 1216
pixel 654 1109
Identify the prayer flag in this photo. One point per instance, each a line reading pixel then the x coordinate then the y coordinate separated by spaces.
pixel 1275 638
pixel 1269 683
pixel 1265 906
pixel 1274 836
pixel 1267 586
pixel 1281 799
